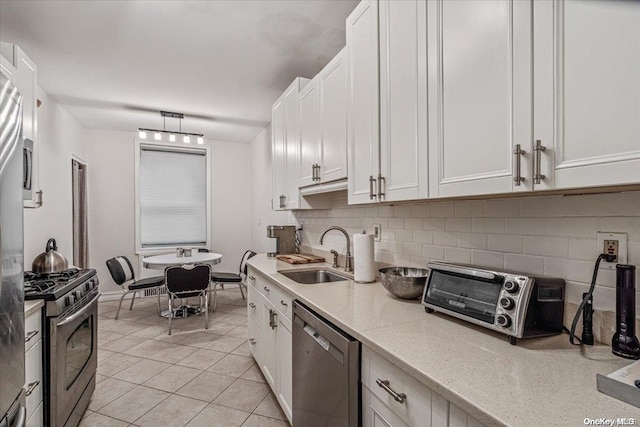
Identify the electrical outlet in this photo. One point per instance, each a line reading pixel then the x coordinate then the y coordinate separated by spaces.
pixel 377 232
pixel 614 244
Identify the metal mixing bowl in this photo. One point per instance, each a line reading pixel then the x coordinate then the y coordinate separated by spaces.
pixel 404 282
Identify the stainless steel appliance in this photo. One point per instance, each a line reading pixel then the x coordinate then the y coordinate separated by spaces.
pixel 285 236
pixel 12 410
pixel 27 169
pixel 326 372
pixel 518 305
pixel 70 341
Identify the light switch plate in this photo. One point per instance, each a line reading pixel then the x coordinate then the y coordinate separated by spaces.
pixel 621 238
pixel 377 232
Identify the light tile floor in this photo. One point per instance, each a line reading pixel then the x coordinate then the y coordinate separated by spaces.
pixel 195 377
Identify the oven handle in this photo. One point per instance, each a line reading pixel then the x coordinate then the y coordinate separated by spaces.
pixel 83 310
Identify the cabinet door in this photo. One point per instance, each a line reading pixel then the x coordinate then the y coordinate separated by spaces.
pixel 291 146
pixel 278 153
pixel 377 414
pixel 403 99
pixel 362 100
pixel 268 342
pixel 6 66
pixel 587 91
pixel 480 101
pixel 27 84
pixel 285 365
pixel 309 132
pixel 332 81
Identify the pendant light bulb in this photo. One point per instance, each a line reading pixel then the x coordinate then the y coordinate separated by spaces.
pixel 200 140
pixel 172 137
pixel 157 136
pixel 142 134
pixel 186 139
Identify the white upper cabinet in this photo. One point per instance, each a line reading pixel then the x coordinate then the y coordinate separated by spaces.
pixel 309 133
pixel 332 149
pixel 480 103
pixel 362 101
pixel 286 147
pixel 587 92
pixel 387 105
pixel 403 100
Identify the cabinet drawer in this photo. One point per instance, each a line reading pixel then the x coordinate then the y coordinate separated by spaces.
pixel 254 337
pixel 254 308
pixel 37 418
pixel 417 404
pixel 32 329
pixel 281 301
pixel 33 377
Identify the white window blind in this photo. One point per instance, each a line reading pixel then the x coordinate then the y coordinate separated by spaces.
pixel 172 197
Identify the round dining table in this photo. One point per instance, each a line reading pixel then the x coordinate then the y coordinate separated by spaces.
pixel 167 260
pixel 163 261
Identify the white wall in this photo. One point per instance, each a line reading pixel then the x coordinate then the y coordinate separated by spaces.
pixel 261 184
pixel 60 137
pixel 112 205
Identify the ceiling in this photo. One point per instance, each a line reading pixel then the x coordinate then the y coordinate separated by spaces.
pixel 116 64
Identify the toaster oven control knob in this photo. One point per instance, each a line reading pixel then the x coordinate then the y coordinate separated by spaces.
pixel 504 320
pixel 507 303
pixel 511 287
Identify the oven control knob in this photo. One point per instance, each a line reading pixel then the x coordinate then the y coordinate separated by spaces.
pixel 78 295
pixel 504 320
pixel 70 299
pixel 89 285
pixel 511 287
pixel 507 303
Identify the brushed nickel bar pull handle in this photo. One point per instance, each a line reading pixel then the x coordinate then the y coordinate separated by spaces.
pixel 252 305
pixel 30 335
pixel 518 179
pixel 283 303
pixel 372 180
pixel 252 341
pixel 318 172
pixel 31 387
pixel 398 397
pixel 539 148
pixel 381 183
pixel 266 289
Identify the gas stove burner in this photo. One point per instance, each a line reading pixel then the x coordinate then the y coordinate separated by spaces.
pixel 30 276
pixel 52 286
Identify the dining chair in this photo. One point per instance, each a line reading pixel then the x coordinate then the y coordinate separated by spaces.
pixel 187 281
pixel 219 278
pixel 122 273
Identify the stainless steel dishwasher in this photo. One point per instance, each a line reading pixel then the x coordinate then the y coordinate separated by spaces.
pixel 326 372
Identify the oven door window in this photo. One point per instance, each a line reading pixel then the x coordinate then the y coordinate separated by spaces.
pixel 473 297
pixel 79 349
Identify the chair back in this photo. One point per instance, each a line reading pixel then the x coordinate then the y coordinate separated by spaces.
pixel 187 278
pixel 243 262
pixel 121 269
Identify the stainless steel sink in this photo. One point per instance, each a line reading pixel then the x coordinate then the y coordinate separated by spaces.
pixel 312 277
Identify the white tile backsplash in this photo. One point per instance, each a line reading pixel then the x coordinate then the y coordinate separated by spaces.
pixel 551 235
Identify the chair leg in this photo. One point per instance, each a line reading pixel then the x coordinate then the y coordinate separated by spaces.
pixel 170 312
pixel 206 310
pixel 215 296
pixel 159 306
pixel 241 291
pixel 120 305
pixel 132 300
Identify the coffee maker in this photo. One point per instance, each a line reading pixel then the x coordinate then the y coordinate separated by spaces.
pixel 285 236
pixel 624 342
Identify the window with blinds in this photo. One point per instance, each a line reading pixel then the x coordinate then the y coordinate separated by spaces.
pixel 172 197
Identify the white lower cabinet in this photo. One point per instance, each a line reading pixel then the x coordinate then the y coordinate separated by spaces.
pixel 390 397
pixel 33 368
pixel 269 333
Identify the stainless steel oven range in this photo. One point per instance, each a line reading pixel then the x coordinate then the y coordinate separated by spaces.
pixel 70 341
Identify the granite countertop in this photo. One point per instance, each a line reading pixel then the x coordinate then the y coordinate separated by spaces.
pixel 542 381
pixel 32 306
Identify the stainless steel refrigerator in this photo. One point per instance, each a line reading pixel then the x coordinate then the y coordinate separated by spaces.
pixel 12 410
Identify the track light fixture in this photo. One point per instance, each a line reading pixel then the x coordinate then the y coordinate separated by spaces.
pixel 160 134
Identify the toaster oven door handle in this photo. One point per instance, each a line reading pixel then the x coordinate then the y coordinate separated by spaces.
pixel 466 272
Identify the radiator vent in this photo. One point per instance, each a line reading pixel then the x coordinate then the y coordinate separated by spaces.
pixel 143 272
pixel 155 291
